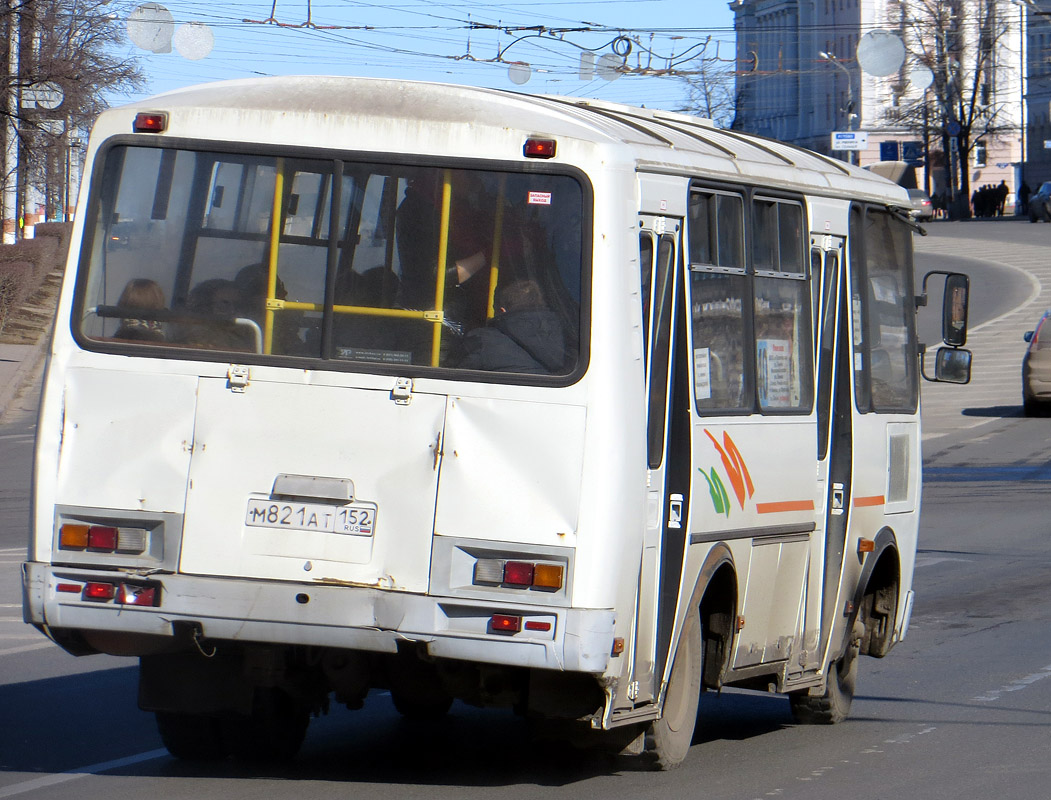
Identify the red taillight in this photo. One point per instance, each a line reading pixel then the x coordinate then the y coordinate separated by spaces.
pixel 150 122
pixel 537 625
pixel 69 588
pixel 102 537
pixel 518 573
pixel 505 623
pixel 539 148
pixel 99 591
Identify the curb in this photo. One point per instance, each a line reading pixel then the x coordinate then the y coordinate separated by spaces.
pixel 25 370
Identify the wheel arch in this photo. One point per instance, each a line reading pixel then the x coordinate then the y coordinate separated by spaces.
pixel 878 593
pixel 715 596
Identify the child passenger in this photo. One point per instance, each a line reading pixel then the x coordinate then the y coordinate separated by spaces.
pixel 146 295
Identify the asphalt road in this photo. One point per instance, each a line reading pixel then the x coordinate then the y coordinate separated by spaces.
pixel 960 709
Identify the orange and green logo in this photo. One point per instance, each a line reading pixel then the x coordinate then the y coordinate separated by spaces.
pixel 736 473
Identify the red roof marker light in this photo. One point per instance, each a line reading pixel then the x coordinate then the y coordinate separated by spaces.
pixel 151 122
pixel 539 148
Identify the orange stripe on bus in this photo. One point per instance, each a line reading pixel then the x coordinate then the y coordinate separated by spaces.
pixel 875 500
pixel 786 505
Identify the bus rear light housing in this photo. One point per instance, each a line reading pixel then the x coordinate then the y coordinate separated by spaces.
pixel 539 148
pixel 124 594
pixel 102 538
pixel 519 574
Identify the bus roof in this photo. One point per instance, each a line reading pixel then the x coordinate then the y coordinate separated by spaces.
pixel 465 120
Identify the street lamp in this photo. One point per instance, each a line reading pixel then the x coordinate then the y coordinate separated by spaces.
pixel 851 116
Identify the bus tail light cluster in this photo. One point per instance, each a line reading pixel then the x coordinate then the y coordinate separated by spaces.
pixel 119 593
pixel 102 538
pixel 519 574
pixel 511 623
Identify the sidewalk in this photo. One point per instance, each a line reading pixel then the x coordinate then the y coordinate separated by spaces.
pixel 18 364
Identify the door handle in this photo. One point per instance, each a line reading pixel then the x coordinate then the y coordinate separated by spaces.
pixel 675 511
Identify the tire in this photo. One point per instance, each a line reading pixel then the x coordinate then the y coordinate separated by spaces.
pixel 668 739
pixel 834 705
pixel 421 708
pixel 274 731
pixel 192 737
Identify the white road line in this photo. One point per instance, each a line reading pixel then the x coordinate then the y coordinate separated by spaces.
pixel 923 561
pixel 1014 686
pixel 80 772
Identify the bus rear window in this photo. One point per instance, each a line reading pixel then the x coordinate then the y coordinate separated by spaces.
pixel 351 263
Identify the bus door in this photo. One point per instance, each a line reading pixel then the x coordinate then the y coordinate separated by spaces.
pixel 667 453
pixel 834 410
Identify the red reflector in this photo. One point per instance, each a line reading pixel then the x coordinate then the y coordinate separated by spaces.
pixel 536 625
pixel 539 148
pixel 504 623
pixel 137 595
pixel 69 588
pixel 102 537
pixel 100 591
pixel 518 573
pixel 150 122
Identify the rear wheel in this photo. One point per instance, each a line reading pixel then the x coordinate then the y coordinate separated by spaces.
pixel 668 739
pixel 834 705
pixel 274 731
pixel 192 737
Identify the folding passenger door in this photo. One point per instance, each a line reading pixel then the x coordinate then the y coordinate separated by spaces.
pixel 667 452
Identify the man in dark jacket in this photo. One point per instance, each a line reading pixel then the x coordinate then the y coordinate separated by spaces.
pixel 524 336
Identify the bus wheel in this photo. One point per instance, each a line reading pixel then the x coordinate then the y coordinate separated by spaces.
pixel 192 737
pixel 668 738
pixel 274 731
pixel 834 705
pixel 419 707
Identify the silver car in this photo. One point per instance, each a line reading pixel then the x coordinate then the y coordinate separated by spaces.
pixel 1036 369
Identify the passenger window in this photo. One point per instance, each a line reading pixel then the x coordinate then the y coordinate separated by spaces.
pixel 716 229
pixel 778 226
pixel 719 342
pixel 783 345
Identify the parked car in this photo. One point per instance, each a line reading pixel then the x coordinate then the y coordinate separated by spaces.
pixel 1036 369
pixel 922 209
pixel 1040 203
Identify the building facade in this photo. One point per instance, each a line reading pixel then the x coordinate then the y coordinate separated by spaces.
pixel 799 79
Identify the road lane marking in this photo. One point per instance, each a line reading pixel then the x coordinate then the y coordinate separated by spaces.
pixel 1014 686
pixel 79 772
pixel 927 561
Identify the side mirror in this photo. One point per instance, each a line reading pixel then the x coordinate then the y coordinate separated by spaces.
pixel 954 312
pixel 1028 335
pixel 952 365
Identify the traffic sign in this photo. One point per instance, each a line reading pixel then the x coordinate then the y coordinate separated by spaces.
pixel 850 140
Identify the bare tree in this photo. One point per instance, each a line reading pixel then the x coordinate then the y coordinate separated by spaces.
pixel 711 91
pixel 68 44
pixel 962 42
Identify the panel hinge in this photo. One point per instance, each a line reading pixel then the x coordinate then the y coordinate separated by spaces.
pixel 237 378
pixel 402 391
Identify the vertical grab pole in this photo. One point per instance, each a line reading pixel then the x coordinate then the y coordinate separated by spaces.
pixel 275 240
pixel 443 258
pixel 498 235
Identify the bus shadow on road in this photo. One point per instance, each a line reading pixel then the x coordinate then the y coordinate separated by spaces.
pixel 993 411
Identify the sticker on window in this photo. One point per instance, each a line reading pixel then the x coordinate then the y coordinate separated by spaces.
pixel 539 198
pixel 702 373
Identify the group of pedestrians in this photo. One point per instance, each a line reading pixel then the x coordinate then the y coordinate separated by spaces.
pixel 989 200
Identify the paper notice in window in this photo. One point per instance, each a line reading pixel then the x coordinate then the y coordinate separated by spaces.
pixel 774 366
pixel 702 373
pixel 539 198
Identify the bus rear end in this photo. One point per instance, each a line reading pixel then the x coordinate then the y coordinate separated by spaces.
pixel 312 424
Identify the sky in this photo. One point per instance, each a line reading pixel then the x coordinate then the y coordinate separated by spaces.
pixel 463 41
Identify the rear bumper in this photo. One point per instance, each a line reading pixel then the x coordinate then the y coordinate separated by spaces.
pixel 349 617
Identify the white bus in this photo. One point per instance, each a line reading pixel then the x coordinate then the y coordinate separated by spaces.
pixel 539 402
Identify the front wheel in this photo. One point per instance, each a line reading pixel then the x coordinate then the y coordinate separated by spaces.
pixel 668 739
pixel 834 704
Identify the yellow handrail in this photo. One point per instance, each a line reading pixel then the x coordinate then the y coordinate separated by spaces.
pixel 275 240
pixel 494 263
pixel 443 258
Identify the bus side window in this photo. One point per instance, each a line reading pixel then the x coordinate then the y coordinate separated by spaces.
pixel 718 287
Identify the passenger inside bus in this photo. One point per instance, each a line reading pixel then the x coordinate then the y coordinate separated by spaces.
pixel 524 336
pixel 146 295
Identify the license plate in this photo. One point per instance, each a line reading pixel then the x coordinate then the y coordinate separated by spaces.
pixel 355 519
